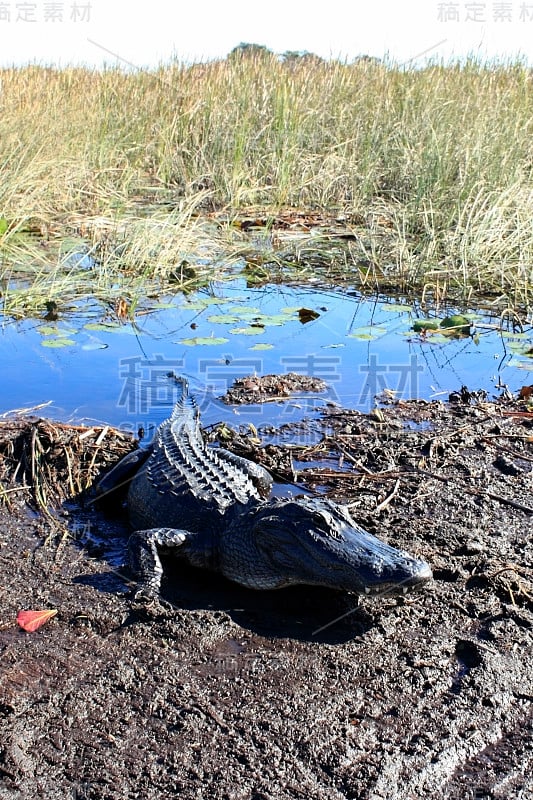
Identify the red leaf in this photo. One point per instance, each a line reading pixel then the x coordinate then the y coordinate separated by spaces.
pixel 31 620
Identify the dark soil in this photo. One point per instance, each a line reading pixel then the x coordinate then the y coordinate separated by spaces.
pixel 242 695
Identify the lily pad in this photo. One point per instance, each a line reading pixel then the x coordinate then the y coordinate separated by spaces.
pixel 289 310
pixel 400 307
pixel 57 342
pixel 438 337
pixel 457 324
pixel 103 326
pixel 54 330
pixel 250 331
pixel 204 302
pixel 272 319
pixel 49 330
pixel 223 319
pixel 261 346
pixel 203 340
pixel 420 325
pixel 367 332
pixel 511 335
pixel 244 311
pixel 521 348
pixel 303 314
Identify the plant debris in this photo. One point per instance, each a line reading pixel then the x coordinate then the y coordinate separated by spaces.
pixel 31 621
pixel 270 388
pixel 45 462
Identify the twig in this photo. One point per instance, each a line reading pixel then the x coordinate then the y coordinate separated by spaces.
pixel 388 499
pixel 103 434
pixel 507 449
pixel 70 474
pixel 13 489
pixel 356 461
pixel 20 411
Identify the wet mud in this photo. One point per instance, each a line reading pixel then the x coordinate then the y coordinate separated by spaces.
pixel 303 693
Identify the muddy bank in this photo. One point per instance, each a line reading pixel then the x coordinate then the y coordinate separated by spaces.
pixel 299 693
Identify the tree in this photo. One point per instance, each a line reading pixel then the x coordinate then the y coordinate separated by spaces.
pixel 249 50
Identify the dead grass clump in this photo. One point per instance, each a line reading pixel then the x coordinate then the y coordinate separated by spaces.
pixel 46 463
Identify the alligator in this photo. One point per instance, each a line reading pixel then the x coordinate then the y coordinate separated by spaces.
pixel 213 508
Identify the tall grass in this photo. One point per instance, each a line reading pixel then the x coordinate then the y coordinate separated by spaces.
pixel 436 163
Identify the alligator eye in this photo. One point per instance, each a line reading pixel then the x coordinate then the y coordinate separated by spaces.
pixel 322 521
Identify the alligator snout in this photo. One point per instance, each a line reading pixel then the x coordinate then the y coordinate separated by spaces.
pixel 317 542
pixel 406 575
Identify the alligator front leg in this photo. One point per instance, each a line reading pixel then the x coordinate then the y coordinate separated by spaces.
pixel 144 560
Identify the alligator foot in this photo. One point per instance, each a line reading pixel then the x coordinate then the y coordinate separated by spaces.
pixel 150 607
pixel 143 549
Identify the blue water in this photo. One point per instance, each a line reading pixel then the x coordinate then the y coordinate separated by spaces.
pixel 359 346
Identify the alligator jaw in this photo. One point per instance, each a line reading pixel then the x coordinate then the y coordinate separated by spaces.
pixel 420 575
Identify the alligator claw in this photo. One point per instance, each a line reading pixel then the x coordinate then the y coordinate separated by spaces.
pixel 150 604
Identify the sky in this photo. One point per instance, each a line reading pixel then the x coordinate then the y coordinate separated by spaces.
pixel 143 34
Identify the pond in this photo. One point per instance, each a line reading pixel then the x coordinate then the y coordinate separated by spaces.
pixel 117 371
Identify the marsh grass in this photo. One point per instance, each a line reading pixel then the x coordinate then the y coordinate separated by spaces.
pixel 435 165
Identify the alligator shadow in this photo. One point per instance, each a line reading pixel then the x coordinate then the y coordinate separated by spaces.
pixel 309 613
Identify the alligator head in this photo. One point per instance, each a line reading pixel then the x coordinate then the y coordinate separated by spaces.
pixel 315 541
